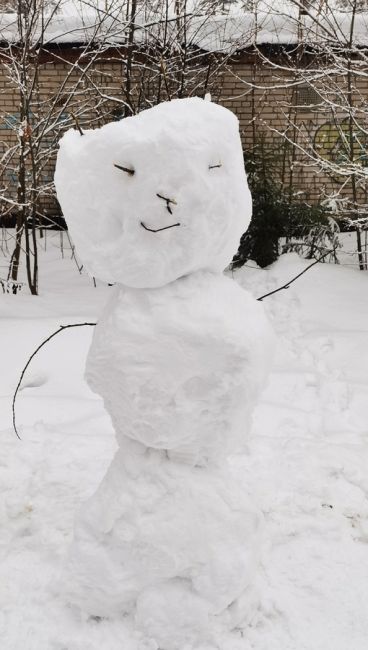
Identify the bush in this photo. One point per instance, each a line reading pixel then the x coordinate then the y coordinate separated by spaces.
pixel 278 214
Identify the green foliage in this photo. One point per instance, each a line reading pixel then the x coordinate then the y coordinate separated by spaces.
pixel 311 232
pixel 279 214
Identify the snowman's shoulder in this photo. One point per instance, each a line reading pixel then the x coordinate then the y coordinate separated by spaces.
pixel 214 305
pixel 202 306
pixel 222 296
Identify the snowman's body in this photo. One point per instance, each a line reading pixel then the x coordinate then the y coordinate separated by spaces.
pixel 169 535
pixel 182 379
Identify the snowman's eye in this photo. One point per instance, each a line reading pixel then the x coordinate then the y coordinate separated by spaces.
pixel 125 169
pixel 215 166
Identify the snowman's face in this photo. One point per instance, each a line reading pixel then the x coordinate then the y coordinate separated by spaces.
pixel 157 196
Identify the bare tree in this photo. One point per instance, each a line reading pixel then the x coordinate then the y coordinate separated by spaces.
pixel 318 83
pixel 127 56
pixel 31 133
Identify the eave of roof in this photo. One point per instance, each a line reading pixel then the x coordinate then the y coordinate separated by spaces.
pixel 223 34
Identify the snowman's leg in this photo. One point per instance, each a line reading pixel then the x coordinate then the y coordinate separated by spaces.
pixel 221 590
pixel 227 579
pixel 93 580
pixel 112 557
pixel 173 614
pixel 98 576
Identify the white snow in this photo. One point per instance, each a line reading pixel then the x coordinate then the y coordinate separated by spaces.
pixel 179 356
pixel 276 23
pixel 306 465
pixel 307 462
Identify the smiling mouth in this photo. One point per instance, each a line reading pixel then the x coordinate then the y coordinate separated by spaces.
pixel 159 229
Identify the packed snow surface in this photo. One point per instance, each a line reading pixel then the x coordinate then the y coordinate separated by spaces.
pixel 306 465
pixel 157 203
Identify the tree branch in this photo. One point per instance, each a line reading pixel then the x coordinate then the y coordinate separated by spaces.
pixel 61 328
pixel 287 285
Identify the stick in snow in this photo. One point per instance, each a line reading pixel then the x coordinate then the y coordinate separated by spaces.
pixel 287 285
pixel 61 328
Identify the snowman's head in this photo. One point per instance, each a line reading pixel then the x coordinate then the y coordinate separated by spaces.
pixel 156 196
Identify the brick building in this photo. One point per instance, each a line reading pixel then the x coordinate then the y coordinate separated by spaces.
pixel 71 81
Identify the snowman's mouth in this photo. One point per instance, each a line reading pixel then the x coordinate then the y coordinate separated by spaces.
pixel 173 225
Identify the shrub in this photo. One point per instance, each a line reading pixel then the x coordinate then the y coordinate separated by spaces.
pixel 279 214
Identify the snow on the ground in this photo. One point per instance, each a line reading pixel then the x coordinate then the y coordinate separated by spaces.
pixel 307 462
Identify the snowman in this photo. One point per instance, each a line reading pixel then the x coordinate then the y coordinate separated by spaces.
pixel 156 205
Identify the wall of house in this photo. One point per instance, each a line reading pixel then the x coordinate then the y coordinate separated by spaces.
pixel 276 106
pixel 63 93
pixel 69 86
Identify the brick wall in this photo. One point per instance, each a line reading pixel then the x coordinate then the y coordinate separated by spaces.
pixel 61 91
pixel 268 105
pixel 257 92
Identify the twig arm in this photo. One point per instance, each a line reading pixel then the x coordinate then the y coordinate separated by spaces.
pixel 64 327
pixel 287 285
pixel 61 328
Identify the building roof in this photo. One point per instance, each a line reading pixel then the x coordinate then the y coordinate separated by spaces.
pixel 78 23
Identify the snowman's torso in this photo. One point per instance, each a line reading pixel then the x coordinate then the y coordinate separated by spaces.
pixel 179 367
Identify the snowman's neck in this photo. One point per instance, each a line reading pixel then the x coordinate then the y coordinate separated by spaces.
pixel 201 276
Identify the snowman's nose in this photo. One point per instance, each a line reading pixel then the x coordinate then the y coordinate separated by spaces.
pixel 168 201
pixel 165 198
